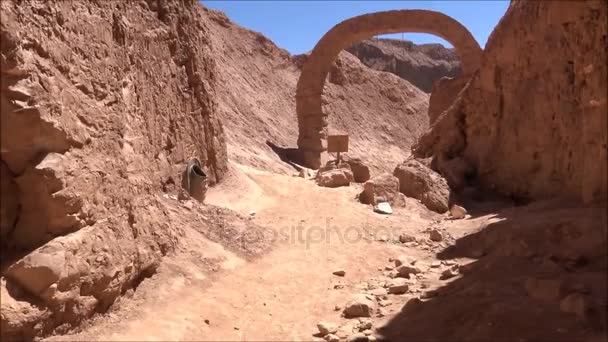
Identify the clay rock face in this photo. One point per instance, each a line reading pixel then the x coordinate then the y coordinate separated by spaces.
pixel 385 187
pixel 444 92
pixel 90 140
pixel 532 121
pixel 419 182
pixel 333 176
pixel 421 65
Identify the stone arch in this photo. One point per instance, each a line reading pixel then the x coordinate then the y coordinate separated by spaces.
pixel 312 122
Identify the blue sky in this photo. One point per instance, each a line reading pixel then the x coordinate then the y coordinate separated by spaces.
pixel 298 25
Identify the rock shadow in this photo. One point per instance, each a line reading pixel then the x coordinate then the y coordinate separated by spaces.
pixel 494 298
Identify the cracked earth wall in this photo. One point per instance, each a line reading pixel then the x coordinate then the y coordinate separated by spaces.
pixel 532 121
pixel 102 104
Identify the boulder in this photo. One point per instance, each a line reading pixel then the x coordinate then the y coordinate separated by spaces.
pixel 406 270
pixel 359 306
pixel 435 235
pixel 326 328
pixel 383 208
pixel 458 212
pixel 420 182
pixel 382 188
pixel 333 176
pixel 360 170
pixel 398 286
pixel 39 269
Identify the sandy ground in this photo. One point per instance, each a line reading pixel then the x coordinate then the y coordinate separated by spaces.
pixel 205 292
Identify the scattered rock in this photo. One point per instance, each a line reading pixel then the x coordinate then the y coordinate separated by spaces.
pixel 406 270
pixel 397 286
pixel 252 213
pixel 435 235
pixel 382 188
pixel 388 268
pixel 379 292
pixel 340 273
pixel 359 306
pixel 327 328
pixel 383 208
pixel 404 260
pixel 458 212
pixel 384 302
pixel 435 264
pixel 405 238
pixel 420 182
pixel 331 338
pixel 338 286
pixel 337 307
pixel 381 312
pixel 364 324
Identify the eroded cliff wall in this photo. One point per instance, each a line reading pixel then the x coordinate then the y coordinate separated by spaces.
pixel 532 122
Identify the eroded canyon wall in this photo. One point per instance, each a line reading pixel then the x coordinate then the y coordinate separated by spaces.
pixel 102 103
pixel 532 121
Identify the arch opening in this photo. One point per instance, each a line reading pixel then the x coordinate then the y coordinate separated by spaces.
pixel 312 122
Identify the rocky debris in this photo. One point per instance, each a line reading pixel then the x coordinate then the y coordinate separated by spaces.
pixel 384 302
pixel 397 286
pixel 364 324
pixel 405 238
pixel 543 289
pixel 435 235
pixel 406 270
pixel 458 212
pixel 383 208
pixel 359 306
pixel 326 328
pixel 420 182
pixel 331 338
pixel 435 264
pixel 340 273
pixel 337 307
pixel 382 188
pixel 404 260
pixel 333 176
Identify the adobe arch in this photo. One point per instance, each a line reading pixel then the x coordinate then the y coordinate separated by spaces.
pixel 312 122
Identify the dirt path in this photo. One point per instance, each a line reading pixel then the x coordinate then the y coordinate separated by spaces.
pixel 204 292
pixel 283 294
